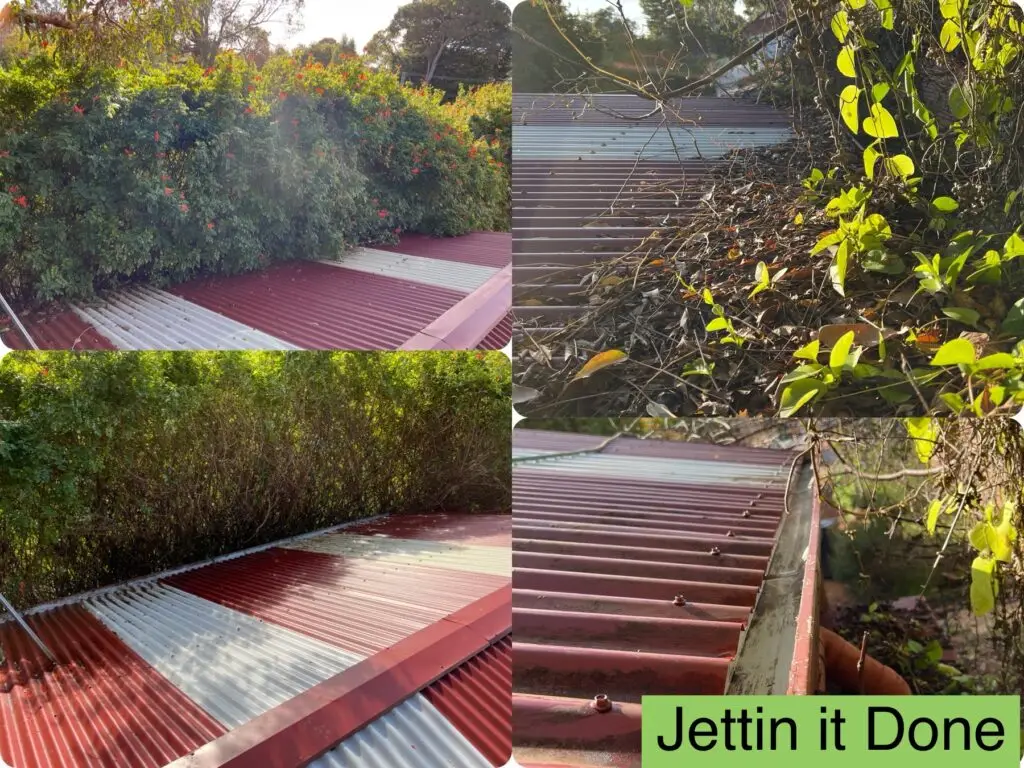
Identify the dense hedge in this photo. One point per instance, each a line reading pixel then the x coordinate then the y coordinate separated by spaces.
pixel 165 174
pixel 123 464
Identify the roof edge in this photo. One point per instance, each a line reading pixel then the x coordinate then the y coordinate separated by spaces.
pixel 776 633
pixel 314 722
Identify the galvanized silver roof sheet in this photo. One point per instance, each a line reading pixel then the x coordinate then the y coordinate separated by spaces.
pixel 662 470
pixel 234 666
pixel 443 273
pixel 569 142
pixel 147 318
pixel 461 557
pixel 412 735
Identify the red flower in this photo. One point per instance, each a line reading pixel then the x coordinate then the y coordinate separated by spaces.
pixel 156 136
pixel 168 191
pixel 248 110
pixel 22 201
pixel 398 230
pixel 282 95
pixel 164 177
pixel 437 137
pixel 251 88
pixel 183 207
pixel 382 213
pixel 208 226
pixel 320 91
pixel 230 155
pixel 161 155
pixel 78 110
pixel 415 171
pixel 14 189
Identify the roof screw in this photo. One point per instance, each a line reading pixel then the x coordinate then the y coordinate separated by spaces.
pixel 729 534
pixel 601 703
pixel 679 600
pixel 746 513
pixel 715 551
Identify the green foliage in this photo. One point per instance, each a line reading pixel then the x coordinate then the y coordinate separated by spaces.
pixel 121 464
pixel 162 174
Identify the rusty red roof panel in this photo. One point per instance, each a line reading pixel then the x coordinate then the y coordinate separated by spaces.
pixel 102 705
pixel 485 249
pixel 61 331
pixel 500 336
pixel 477 699
pixel 360 605
pixel 635 568
pixel 319 306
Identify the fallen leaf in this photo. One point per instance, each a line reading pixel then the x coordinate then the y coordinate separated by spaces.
pixel 656 262
pixel 864 335
pixel 521 394
pixel 611 280
pixel 600 361
pixel 734 253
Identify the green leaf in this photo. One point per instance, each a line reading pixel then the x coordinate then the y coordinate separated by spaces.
pixel 983 593
pixel 708 298
pixel 945 204
pixel 857 4
pixel 845 61
pixel 955 352
pixel 887 263
pixel 1014 246
pixel 849 107
pixel 880 124
pixel 949 36
pixel 997 361
pixel 934 509
pixel 826 240
pixel 841 26
pixel 953 401
pixel 717 324
pixel 808 351
pixel 840 351
pixel 958 103
pixel 900 165
pixel 1013 324
pixel 962 315
pixel 798 394
pixel 871 156
pixel 879 91
pixel 924 432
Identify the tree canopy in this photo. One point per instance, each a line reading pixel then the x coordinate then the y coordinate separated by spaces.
pixel 447 42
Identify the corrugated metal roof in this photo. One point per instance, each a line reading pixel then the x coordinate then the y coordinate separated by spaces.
pixel 418 269
pixel 228 663
pixel 460 557
pixel 477 699
pixel 235 667
pixel 451 292
pixel 593 182
pixel 412 734
pixel 630 581
pixel 361 605
pixel 487 249
pixel 627 109
pixel 485 530
pixel 61 331
pixel 147 318
pixel 101 706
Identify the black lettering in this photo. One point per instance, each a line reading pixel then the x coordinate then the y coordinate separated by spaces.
pixel 727 721
pixel 712 733
pixel 776 722
pixel 872 744
pixel 980 734
pixel 837 721
pixel 948 737
pixel 913 730
pixel 679 734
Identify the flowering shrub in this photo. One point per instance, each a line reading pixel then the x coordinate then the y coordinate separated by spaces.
pixel 166 174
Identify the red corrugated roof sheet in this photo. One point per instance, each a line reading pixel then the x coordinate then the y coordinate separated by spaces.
pixel 485 249
pixel 628 586
pixel 477 699
pixel 319 306
pixel 65 330
pixel 101 706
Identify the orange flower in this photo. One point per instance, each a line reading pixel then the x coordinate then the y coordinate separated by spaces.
pixel 320 91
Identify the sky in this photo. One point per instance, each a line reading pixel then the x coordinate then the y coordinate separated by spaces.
pixel 334 18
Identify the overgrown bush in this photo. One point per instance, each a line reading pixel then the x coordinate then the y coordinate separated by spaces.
pixel 119 465
pixel 165 174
